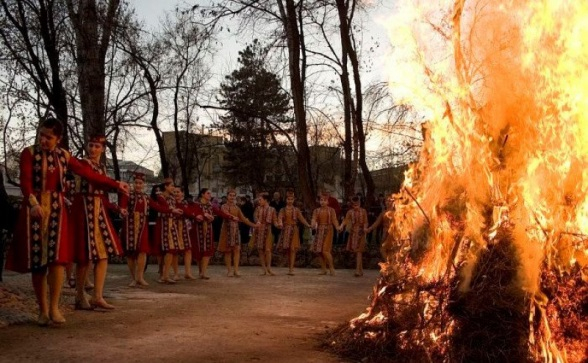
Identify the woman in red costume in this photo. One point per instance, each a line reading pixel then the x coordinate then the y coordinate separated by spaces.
pixel 289 241
pixel 229 241
pixel 95 237
pixel 166 232
pixel 183 226
pixel 135 234
pixel 262 237
pixel 201 232
pixel 324 218
pixel 43 244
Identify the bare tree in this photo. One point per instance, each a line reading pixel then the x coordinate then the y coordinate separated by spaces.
pixel 33 37
pixel 188 45
pixel 93 23
pixel 147 52
pixel 285 17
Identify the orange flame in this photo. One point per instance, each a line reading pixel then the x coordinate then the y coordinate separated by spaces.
pixel 505 88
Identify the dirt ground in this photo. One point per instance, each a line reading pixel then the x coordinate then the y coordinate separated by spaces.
pixel 225 319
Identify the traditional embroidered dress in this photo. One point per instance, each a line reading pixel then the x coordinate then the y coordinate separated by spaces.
pixel 289 237
pixel 166 231
pixel 39 243
pixel 357 221
pixel 96 237
pixel 262 236
pixel 135 235
pixel 183 226
pixel 230 237
pixel 202 232
pixel 324 218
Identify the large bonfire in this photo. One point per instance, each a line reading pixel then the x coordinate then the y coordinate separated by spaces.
pixel 488 251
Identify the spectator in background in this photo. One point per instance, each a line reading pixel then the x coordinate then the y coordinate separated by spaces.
pixel 334 203
pixel 247 210
pixel 217 222
pixel 277 203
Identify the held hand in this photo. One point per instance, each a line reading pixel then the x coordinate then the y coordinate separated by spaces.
pixel 210 217
pixel 123 187
pixel 177 211
pixel 257 225
pixel 124 212
pixel 235 219
pixel 37 212
pixel 200 218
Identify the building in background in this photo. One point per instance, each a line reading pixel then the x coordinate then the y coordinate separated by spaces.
pixel 204 156
pixel 128 168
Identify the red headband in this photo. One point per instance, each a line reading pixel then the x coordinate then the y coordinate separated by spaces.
pixel 100 139
pixel 139 176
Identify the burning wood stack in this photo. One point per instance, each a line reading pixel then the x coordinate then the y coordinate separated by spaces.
pixel 488 253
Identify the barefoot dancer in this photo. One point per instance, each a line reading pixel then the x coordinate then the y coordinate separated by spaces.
pixel 262 237
pixel 184 241
pixel 44 245
pixel 289 237
pixel 135 232
pixel 323 220
pixel 96 238
pixel 357 221
pixel 166 232
pixel 230 237
pixel 202 233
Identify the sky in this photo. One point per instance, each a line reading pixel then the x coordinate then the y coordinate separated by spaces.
pixel 152 11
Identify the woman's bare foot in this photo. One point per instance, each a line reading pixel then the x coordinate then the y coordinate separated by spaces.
pixel 43 319
pixel 57 317
pixel 101 303
pixel 142 282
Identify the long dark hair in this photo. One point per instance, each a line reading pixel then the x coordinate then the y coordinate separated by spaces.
pixel 54 125
pixel 156 188
pixel 202 191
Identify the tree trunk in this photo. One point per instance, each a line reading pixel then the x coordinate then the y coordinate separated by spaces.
pixel 295 41
pixel 181 148
pixel 346 11
pixel 112 147
pixel 93 32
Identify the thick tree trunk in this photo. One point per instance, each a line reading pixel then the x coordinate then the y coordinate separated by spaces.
pixel 93 31
pixel 349 173
pixel 346 11
pixel 295 43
